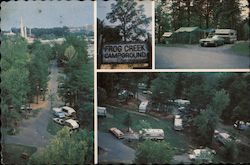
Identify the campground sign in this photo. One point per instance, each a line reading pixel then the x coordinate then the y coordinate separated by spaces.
pixel 125 53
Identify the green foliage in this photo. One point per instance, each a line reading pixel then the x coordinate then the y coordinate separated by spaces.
pixel 205 123
pixel 15 77
pixel 154 152
pixel 66 147
pixel 163 87
pixel 241 48
pixel 127 121
pixel 204 157
pixel 232 151
pixel 131 19
pixel 220 101
pixel 143 124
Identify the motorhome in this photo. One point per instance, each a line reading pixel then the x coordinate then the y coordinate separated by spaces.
pixel 229 35
pixel 101 111
pixel 143 107
pixel 152 134
pixel 181 102
pixel 119 134
pixel 178 123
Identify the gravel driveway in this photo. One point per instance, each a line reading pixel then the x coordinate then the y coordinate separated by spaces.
pixel 196 57
pixel 114 150
pixel 33 132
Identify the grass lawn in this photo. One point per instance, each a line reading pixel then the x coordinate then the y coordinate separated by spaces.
pixel 176 139
pixel 12 153
pixel 53 127
pixel 241 48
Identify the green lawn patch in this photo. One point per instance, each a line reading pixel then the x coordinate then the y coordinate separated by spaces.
pixel 12 153
pixel 53 127
pixel 241 48
pixel 174 138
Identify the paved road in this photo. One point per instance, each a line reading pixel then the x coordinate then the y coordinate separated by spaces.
pixel 196 57
pixel 114 150
pixel 33 132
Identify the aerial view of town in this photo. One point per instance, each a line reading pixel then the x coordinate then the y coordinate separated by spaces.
pixel 47 82
pixel 202 34
pixel 173 118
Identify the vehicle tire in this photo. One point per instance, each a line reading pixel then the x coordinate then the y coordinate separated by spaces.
pixel 215 44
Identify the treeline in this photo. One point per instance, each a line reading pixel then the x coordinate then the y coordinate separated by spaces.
pixel 52 33
pixel 199 88
pixel 170 15
pixel 46 32
pixel 24 75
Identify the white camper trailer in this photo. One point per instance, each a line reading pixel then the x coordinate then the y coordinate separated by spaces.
pixel 101 111
pixel 178 123
pixel 229 35
pixel 181 102
pixel 152 134
pixel 143 106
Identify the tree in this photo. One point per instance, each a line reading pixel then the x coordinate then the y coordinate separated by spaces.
pixel 163 87
pixel 154 152
pixel 15 78
pixel 232 151
pixel 162 19
pixel 220 101
pixel 206 123
pixel 66 147
pixel 132 20
pixel 128 121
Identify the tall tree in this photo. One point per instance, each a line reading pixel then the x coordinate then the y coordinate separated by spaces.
pixel 67 148
pixel 151 152
pixel 15 77
pixel 131 19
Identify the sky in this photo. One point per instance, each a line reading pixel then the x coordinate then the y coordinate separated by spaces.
pixel 104 7
pixel 46 14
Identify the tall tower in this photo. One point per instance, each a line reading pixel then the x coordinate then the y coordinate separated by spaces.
pixel 22 28
pixel 25 32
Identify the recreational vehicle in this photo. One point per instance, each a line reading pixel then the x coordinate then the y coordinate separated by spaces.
pixel 229 35
pixel 101 111
pixel 143 107
pixel 178 123
pixel 152 134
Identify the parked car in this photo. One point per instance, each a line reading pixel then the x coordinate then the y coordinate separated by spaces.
pixel 68 111
pixel 147 92
pixel 118 133
pixel 72 124
pixel 26 107
pixel 212 41
pixel 59 121
pixel 241 125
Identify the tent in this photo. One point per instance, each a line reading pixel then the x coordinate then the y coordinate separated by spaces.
pixel 188 35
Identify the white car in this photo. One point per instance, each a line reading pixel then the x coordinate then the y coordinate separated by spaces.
pixel 59 121
pixel 147 92
pixel 72 124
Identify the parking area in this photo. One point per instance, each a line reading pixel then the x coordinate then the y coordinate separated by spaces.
pixel 197 57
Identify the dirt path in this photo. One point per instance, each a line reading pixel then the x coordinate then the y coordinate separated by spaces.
pixel 33 132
